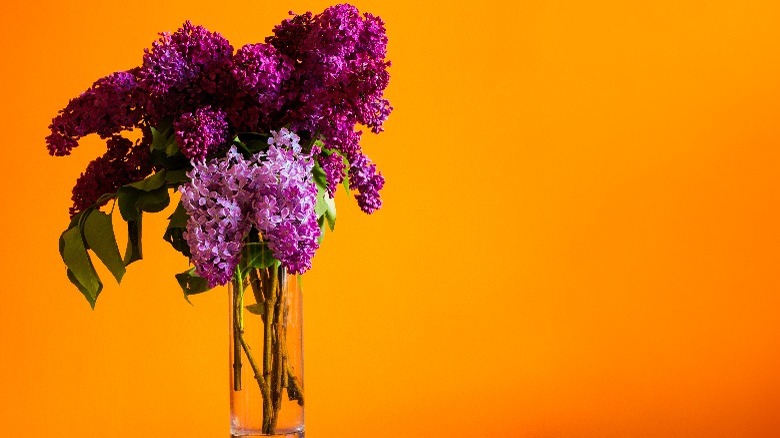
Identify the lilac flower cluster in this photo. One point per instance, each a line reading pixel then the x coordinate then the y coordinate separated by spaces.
pixel 107 108
pixel 284 203
pixel 200 133
pixel 319 75
pixel 122 164
pixel 272 191
pixel 216 200
pixel 339 80
pixel 186 68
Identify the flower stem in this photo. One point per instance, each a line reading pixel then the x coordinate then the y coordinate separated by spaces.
pixel 268 353
pixel 238 328
pixel 275 374
pixel 260 381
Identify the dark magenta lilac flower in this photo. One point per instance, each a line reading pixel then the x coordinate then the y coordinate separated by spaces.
pixel 107 108
pixel 334 167
pixel 191 56
pixel 259 71
pixel 364 178
pixel 123 163
pixel 201 133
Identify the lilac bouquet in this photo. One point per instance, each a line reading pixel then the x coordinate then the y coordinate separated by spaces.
pixel 256 141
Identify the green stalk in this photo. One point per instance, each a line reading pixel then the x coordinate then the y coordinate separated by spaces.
pixel 269 288
pixel 268 353
pixel 238 328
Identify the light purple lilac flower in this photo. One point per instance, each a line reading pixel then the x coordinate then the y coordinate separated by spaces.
pixel 201 133
pixel 284 203
pixel 216 200
pixel 272 191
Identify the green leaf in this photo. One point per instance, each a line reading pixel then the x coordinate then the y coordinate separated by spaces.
pixel 172 148
pixel 321 223
pixel 160 158
pixel 318 174
pixel 133 252
pixel 150 195
pixel 345 183
pixel 177 176
pixel 256 309
pixel 99 234
pixel 174 234
pixel 152 182
pixel 257 255
pixel 81 272
pixel 162 134
pixel 330 213
pixel 191 283
pixel 325 206
pixel 320 207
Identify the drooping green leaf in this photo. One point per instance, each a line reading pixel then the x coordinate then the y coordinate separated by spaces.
pixel 325 205
pixel 256 309
pixel 133 252
pixel 99 234
pixel 191 283
pixel 150 195
pixel 81 272
pixel 174 234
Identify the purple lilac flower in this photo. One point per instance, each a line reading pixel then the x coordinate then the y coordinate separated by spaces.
pixel 175 60
pixel 339 80
pixel 107 108
pixel 200 133
pixel 287 139
pixel 122 164
pixel 334 168
pixel 185 70
pixel 217 199
pixel 284 204
pixel 364 178
pixel 273 191
pixel 259 70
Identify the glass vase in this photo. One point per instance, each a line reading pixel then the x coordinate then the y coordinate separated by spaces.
pixel 266 355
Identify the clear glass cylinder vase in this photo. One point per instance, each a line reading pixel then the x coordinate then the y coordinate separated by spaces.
pixel 266 355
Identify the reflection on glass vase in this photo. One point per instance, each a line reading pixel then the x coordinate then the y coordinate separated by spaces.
pixel 266 354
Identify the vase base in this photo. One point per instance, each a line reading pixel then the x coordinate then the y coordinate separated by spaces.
pixel 293 434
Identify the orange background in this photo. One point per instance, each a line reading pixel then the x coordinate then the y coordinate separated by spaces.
pixel 579 238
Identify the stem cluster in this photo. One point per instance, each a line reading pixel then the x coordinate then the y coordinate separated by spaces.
pixel 274 374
